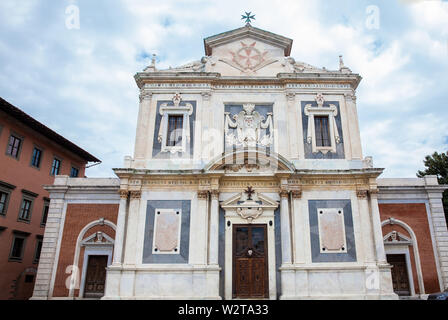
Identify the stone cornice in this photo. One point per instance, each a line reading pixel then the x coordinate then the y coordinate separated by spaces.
pixel 197 173
pixel 215 80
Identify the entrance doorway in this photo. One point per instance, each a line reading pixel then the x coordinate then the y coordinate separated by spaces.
pixel 400 277
pixel 250 257
pixel 95 276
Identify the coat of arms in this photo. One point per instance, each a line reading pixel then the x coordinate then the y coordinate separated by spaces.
pixel 249 125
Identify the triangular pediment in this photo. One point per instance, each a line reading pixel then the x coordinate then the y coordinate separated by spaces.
pixel 248 51
pixel 97 239
pixel 395 237
pixel 248 32
pixel 241 200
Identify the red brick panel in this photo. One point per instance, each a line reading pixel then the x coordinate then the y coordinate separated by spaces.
pixel 77 217
pixel 415 216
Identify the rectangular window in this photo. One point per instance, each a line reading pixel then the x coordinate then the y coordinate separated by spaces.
pixel 74 172
pixel 25 210
pixel 55 167
pixel 38 250
pixel 18 246
pixel 174 133
pixel 322 131
pixel 3 202
pixel 14 146
pixel 45 214
pixel 37 155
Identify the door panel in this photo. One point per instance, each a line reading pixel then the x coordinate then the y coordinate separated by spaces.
pixel 95 277
pixel 250 273
pixel 400 278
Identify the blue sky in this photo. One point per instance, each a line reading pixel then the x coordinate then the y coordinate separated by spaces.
pixel 80 82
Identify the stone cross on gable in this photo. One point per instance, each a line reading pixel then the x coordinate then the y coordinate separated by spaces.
pixel 248 17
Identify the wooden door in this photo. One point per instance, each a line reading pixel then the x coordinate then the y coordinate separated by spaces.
pixel 250 257
pixel 95 277
pixel 400 278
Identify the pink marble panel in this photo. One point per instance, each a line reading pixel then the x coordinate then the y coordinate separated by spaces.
pixel 331 229
pixel 166 237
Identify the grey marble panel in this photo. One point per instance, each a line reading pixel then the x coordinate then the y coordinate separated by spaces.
pixel 317 256
pixel 182 257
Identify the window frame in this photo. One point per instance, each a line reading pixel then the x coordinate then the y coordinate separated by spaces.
pixel 45 214
pixel 19 150
pixel 27 196
pixel 18 235
pixel 330 111
pixel 40 158
pixel 165 110
pixel 39 240
pixel 59 168
pixel 7 189
pixel 71 169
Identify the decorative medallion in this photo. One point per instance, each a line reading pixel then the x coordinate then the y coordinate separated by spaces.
pixel 248 58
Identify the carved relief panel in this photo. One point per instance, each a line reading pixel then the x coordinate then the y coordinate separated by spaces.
pixel 248 126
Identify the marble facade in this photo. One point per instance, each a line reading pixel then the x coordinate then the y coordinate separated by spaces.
pixel 249 155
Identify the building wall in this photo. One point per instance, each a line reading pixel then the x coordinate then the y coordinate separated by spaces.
pixel 415 215
pixel 20 173
pixel 77 217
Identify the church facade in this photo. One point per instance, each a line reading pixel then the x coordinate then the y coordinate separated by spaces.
pixel 247 181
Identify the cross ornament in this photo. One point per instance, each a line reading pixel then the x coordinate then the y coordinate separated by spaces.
pixel 249 191
pixel 248 17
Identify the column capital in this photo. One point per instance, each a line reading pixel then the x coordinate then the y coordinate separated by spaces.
pixel 206 95
pixel 214 194
pixel 145 94
pixel 284 193
pixel 124 194
pixel 290 96
pixel 202 194
pixel 296 194
pixel 351 97
pixel 135 194
pixel 362 194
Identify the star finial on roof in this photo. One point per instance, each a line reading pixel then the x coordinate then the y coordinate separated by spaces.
pixel 248 17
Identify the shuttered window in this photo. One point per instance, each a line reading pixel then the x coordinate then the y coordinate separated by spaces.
pixel 322 131
pixel 174 134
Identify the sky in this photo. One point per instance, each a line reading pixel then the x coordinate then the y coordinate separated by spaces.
pixel 76 75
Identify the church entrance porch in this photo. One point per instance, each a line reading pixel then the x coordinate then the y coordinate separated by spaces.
pixel 250 269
